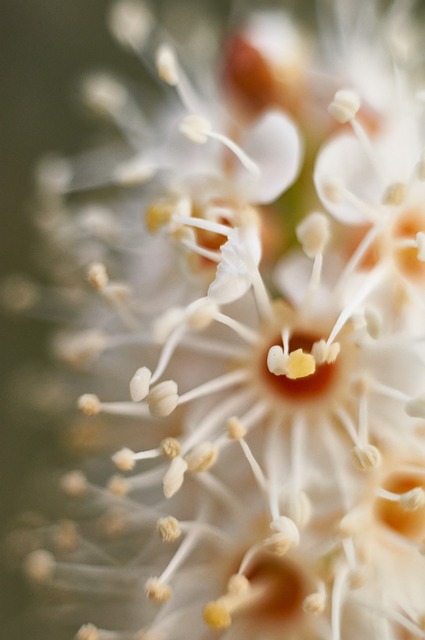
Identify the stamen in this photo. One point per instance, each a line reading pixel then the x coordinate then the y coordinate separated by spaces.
pixel 300 365
pixel 345 105
pixel 240 595
pixel 163 398
pixel 337 597
pixel 410 500
pixel 90 405
pixel 169 529
pixel 131 23
pixel 140 383
pixel 174 477
pixel 225 381
pixel 314 234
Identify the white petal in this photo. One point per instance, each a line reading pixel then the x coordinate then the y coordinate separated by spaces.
pixel 343 164
pixel 240 257
pixel 274 144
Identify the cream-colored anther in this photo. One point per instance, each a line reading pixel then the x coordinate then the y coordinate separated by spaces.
pixel 201 457
pixel 87 632
pixel 314 603
pixel 298 508
pixel 367 457
pixel 81 348
pixel 413 499
pixel 103 94
pixel 139 384
pixel 277 360
pixel 89 404
pixel 97 276
pixel 124 459
pixel 286 537
pixel 416 407
pixel 235 429
pixel 345 105
pixel 130 22
pixel 395 194
pixel 166 65
pixel 118 485
pixel 300 365
pixel 319 351
pixel 196 128
pixel 74 484
pixel 163 398
pixel 39 566
pixel 313 234
pixel 158 590
pixel 170 448
pixel 420 243
pixel 174 476
pixel 159 214
pixel 169 529
pixel 134 172
pixel 373 319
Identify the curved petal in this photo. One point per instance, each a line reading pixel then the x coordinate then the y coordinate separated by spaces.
pixel 274 144
pixel 342 164
pixel 240 257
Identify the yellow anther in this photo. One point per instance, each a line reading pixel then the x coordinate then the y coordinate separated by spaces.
pixel 158 215
pixel 300 365
pixel 217 616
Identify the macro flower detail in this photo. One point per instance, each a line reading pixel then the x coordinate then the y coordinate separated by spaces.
pixel 249 407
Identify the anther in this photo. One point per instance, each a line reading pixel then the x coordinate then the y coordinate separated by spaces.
pixel 124 459
pixel 97 276
pixel 235 429
pixel 74 484
pixel 300 365
pixel 130 22
pixel 169 529
pixel 345 105
pixel 65 536
pixel 416 407
pixel 166 65
pixel 163 399
pixel 39 566
pixel 286 537
pixel 373 321
pixel 87 632
pixel 366 458
pixel 395 194
pixel 314 603
pixel 103 94
pixel 174 476
pixel 170 448
pixel 118 485
pixel 159 215
pixel 413 499
pixel 196 128
pixel 158 590
pixel 201 457
pixel 313 233
pixel 277 360
pixel 324 353
pixel 139 384
pixel 202 316
pixel 89 404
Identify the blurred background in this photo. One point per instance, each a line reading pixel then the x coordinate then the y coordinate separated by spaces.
pixel 46 46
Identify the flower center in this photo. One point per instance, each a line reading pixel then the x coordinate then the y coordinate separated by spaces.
pixel 409 224
pixel 407 523
pixel 286 588
pixel 304 388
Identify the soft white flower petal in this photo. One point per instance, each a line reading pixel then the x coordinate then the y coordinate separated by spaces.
pixel 241 255
pixel 343 164
pixel 274 144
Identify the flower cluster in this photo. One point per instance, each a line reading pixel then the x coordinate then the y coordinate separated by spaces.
pixel 250 354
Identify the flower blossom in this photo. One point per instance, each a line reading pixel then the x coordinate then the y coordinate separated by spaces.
pixel 253 423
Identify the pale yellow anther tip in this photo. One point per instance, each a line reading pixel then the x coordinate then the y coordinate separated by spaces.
pixel 217 616
pixel 300 365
